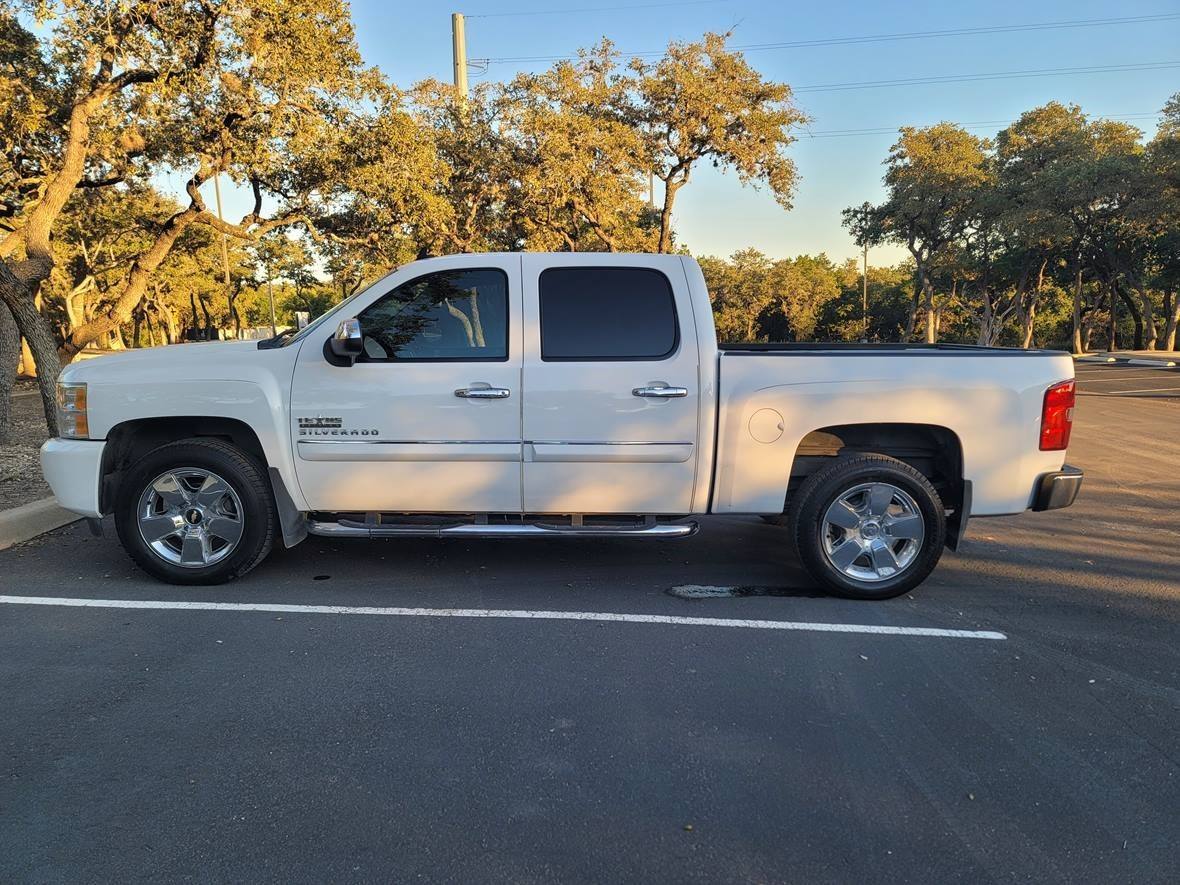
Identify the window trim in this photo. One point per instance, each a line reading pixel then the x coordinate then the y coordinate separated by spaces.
pixel 365 358
pixel 669 354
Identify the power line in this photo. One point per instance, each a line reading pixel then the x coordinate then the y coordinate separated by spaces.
pixel 1000 75
pixel 892 130
pixel 878 38
pixel 595 9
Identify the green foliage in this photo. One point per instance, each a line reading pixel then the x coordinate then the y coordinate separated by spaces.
pixel 1059 202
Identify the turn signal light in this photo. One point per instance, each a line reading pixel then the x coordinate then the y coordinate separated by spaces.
pixel 72 410
pixel 1057 417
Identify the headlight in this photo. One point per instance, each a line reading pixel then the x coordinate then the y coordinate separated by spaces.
pixel 71 410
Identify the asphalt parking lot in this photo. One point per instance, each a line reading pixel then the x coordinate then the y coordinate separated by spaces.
pixel 316 745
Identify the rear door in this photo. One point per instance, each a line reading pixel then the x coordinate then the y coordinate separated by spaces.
pixel 611 385
pixel 428 419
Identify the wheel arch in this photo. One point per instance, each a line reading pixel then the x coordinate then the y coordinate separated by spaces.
pixel 933 450
pixel 130 440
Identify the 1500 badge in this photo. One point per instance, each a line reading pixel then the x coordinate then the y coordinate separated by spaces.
pixel 321 426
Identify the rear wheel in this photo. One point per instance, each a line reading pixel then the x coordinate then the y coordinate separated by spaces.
pixel 868 527
pixel 198 511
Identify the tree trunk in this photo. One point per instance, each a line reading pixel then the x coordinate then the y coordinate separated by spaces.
pixel 1113 338
pixel 1078 345
pixel 1028 319
pixel 35 330
pixel 912 320
pixel 1172 315
pixel 1147 321
pixel 670 189
pixel 984 339
pixel 133 290
pixel 931 317
pixel 1136 315
pixel 9 358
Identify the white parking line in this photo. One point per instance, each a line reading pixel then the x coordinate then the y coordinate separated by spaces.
pixel 872 629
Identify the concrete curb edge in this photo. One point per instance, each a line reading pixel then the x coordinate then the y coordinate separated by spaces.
pixel 23 523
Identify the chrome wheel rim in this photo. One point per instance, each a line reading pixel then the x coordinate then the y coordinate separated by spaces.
pixel 873 532
pixel 190 517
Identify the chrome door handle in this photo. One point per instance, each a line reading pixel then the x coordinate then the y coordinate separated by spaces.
pixel 660 392
pixel 483 392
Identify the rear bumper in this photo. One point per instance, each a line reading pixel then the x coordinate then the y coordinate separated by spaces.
pixel 73 469
pixel 1058 489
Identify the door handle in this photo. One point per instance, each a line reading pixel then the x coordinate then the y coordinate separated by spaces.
pixel 483 392
pixel 660 392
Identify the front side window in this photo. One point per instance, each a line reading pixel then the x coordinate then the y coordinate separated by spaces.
pixel 449 315
pixel 607 313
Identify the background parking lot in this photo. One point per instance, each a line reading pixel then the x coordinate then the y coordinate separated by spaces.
pixel 311 746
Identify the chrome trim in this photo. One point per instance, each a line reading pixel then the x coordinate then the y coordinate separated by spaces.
pixel 659 392
pixel 601 442
pixel 467 530
pixel 407 442
pixel 480 442
pixel 483 392
pixel 349 330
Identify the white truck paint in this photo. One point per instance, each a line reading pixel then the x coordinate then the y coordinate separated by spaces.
pixel 570 436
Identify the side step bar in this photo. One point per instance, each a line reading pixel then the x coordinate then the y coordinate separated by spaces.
pixel 351 529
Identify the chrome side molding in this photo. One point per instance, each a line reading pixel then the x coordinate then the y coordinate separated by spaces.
pixel 354 529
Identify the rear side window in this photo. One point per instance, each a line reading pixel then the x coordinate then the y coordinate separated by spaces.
pixel 607 313
pixel 448 316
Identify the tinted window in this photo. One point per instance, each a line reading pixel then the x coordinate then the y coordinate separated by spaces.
pixel 607 313
pixel 449 315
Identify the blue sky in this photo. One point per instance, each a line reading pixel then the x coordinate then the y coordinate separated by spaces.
pixel 715 214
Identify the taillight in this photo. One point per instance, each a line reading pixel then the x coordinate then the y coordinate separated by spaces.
pixel 1057 417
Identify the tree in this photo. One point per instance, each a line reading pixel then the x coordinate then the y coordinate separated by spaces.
pixel 1163 170
pixel 258 91
pixel 470 188
pixel 741 295
pixel 935 178
pixel 703 102
pixel 69 133
pixel 578 164
pixel 756 299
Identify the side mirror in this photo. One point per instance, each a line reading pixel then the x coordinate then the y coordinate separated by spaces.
pixel 343 348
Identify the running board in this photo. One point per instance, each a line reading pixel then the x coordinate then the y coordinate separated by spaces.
pixel 351 529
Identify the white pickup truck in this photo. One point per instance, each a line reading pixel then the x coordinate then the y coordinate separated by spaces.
pixel 556 395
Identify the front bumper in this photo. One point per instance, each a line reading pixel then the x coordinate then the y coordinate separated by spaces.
pixel 73 469
pixel 1057 490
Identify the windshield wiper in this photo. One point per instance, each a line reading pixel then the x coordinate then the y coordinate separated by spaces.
pixel 277 340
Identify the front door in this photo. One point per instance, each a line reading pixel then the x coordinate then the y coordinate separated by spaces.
pixel 611 385
pixel 428 418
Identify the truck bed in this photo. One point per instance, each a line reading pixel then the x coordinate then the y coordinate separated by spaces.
pixel 855 348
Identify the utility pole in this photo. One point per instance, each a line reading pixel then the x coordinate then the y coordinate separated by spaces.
pixel 864 292
pixel 270 291
pixel 229 293
pixel 459 51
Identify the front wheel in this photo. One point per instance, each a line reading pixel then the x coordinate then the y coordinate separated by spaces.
pixel 198 511
pixel 868 527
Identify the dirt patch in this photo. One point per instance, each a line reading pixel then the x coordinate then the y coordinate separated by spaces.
pixel 20 462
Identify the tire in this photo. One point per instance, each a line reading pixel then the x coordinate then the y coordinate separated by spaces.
pixel 197 511
pixel 842 504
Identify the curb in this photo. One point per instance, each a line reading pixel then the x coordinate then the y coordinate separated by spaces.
pixel 1155 364
pixel 1095 359
pixel 27 521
